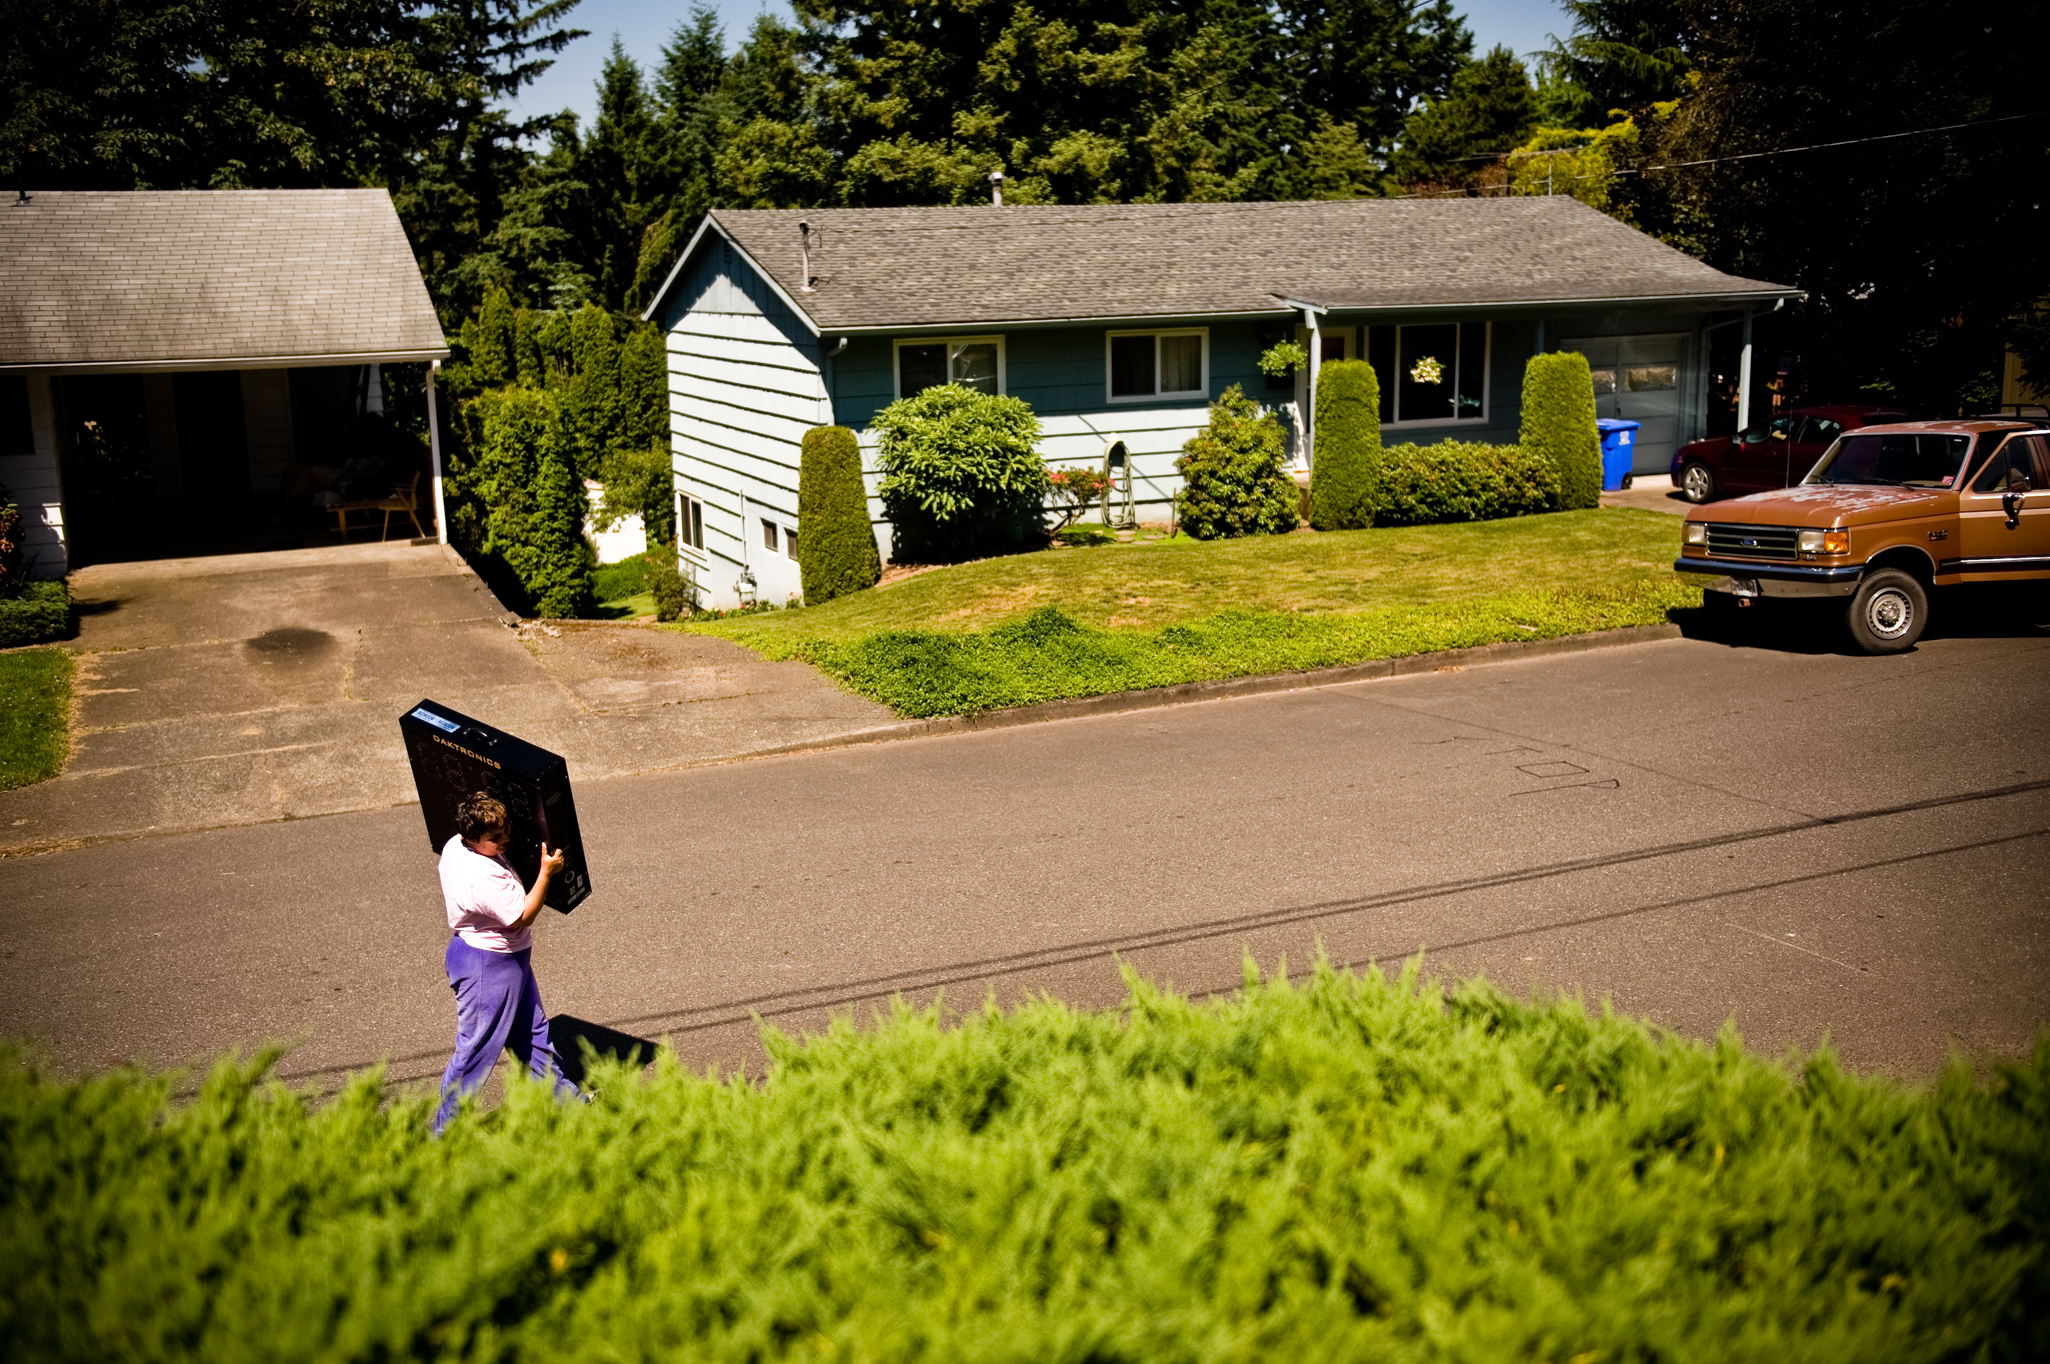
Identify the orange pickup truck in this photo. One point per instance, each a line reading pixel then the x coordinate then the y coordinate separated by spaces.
pixel 1886 514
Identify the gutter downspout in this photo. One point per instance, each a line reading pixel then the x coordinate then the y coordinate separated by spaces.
pixel 434 446
pixel 1744 378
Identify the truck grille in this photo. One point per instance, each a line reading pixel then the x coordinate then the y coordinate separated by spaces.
pixel 1753 542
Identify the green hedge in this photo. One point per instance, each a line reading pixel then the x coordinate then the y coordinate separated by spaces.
pixel 1338 1168
pixel 1558 424
pixel 524 475
pixel 1235 479
pixel 1345 476
pixel 1460 481
pixel 837 553
pixel 39 613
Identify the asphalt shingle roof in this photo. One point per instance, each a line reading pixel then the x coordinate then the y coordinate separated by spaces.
pixel 89 278
pixel 908 267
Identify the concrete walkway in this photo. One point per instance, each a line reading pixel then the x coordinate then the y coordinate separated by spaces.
pixel 249 688
pixel 1650 492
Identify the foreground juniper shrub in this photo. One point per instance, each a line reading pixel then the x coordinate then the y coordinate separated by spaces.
pixel 1345 1168
pixel 1234 476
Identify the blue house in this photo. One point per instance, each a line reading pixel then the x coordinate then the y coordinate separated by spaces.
pixel 1119 324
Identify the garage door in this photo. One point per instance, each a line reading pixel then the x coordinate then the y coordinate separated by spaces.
pixel 1638 378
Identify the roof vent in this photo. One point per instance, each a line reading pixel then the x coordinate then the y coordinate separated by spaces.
pixel 21 202
pixel 996 189
pixel 804 255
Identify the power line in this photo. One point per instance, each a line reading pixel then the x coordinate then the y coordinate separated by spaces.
pixel 1716 160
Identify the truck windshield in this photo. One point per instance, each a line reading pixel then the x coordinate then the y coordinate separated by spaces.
pixel 1894 460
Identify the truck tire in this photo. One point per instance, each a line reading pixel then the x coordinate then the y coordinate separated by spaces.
pixel 1888 612
pixel 1698 483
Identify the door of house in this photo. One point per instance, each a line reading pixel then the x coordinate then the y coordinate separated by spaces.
pixel 1638 378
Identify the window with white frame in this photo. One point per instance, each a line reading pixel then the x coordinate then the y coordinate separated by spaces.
pixel 1432 372
pixel 768 535
pixel 690 523
pixel 975 362
pixel 1165 364
pixel 790 541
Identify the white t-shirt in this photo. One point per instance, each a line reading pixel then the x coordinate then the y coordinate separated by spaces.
pixel 484 897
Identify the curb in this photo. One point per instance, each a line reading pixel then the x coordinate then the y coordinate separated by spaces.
pixel 1186 693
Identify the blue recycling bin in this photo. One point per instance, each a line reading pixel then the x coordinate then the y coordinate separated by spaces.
pixel 1619 448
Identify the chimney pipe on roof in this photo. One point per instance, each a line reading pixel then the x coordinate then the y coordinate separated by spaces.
pixel 804 254
pixel 996 189
pixel 21 202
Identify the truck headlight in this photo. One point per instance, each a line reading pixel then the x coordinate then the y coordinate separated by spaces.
pixel 1824 542
pixel 1694 533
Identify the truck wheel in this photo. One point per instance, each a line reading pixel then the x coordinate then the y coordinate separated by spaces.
pixel 1887 612
pixel 1698 483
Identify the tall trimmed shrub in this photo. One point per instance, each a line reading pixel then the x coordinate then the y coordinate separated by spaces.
pixel 1558 424
pixel 1234 475
pixel 533 503
pixel 1345 476
pixel 838 552
pixel 962 474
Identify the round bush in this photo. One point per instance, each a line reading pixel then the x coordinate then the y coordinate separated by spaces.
pixel 839 546
pixel 1558 424
pixel 1345 476
pixel 1234 479
pixel 962 474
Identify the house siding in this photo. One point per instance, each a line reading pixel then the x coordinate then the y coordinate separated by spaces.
pixel 745 384
pixel 37 485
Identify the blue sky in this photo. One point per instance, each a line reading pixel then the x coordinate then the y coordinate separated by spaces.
pixel 572 82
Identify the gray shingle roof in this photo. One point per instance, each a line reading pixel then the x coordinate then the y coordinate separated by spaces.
pixel 908 267
pixel 208 276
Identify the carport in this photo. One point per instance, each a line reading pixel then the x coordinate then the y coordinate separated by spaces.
pixel 200 372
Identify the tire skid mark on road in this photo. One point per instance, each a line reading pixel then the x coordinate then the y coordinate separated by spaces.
pixel 1811 951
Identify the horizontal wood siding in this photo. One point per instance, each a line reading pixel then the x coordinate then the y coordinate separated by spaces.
pixel 37 487
pixel 744 387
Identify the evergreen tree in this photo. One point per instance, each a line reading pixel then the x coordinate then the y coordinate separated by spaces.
pixel 591 406
pixel 1489 109
pixel 1621 54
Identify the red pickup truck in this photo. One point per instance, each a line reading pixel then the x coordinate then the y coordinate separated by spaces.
pixel 1888 513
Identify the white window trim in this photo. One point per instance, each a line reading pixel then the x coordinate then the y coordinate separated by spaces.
pixel 1157 396
pixel 684 502
pixel 897 361
pixel 1487 380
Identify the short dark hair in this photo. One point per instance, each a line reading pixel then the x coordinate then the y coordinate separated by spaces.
pixel 479 814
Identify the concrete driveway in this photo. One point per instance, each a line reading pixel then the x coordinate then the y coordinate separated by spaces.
pixel 244 689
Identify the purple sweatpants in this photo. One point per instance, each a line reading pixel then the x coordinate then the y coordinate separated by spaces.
pixel 498 1007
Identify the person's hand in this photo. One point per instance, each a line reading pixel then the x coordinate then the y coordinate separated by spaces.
pixel 551 862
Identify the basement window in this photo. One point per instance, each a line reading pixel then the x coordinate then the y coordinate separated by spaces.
pixel 975 362
pixel 1169 364
pixel 690 522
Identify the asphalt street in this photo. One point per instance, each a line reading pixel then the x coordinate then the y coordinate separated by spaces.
pixel 1805 843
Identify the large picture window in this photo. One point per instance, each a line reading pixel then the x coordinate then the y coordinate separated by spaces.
pixel 1171 364
pixel 975 362
pixel 1431 373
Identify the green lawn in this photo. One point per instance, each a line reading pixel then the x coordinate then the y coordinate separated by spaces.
pixel 35 713
pixel 1080 622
